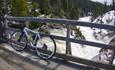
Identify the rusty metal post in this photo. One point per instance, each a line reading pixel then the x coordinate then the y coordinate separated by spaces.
pixel 68 44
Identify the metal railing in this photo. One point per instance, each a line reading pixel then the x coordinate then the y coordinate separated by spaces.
pixel 68 40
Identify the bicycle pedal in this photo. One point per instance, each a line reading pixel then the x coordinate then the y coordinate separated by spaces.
pixel 44 47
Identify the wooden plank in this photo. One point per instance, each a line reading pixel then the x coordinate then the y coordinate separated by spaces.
pixel 79 60
pixel 93 44
pixel 54 64
pixel 85 61
pixel 74 59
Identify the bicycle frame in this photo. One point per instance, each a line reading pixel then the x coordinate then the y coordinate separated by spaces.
pixel 26 31
pixel 35 41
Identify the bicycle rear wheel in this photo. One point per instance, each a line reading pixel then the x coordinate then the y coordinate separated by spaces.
pixel 45 47
pixel 20 38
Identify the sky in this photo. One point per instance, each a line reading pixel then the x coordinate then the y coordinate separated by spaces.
pixel 102 1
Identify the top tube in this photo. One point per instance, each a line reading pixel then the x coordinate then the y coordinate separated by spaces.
pixel 30 31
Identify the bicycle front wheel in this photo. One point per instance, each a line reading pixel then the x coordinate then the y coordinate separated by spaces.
pixel 45 47
pixel 20 38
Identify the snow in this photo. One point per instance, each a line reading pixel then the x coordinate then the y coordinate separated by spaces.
pixel 78 49
pixel 85 19
pixel 103 1
pixel 85 51
pixel 107 18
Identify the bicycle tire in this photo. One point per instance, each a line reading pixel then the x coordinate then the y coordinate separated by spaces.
pixel 42 43
pixel 8 35
pixel 19 37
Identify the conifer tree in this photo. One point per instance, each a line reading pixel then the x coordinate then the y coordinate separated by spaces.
pixel 19 8
pixel 34 13
pixel 113 4
pixel 44 6
pixel 34 9
pixel 1 6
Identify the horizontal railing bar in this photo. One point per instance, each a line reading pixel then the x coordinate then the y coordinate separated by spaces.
pixel 85 61
pixel 13 29
pixel 93 44
pixel 79 60
pixel 64 21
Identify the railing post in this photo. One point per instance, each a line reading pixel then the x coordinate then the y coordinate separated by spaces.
pixel 68 44
pixel 1 28
pixel 112 42
pixel 112 57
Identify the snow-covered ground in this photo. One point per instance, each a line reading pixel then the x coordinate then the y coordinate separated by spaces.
pixel 85 51
pixel 107 18
pixel 85 19
pixel 78 49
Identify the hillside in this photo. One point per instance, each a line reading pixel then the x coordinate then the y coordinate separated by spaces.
pixel 107 18
pixel 85 6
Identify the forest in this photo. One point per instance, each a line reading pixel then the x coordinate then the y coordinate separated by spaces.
pixel 70 9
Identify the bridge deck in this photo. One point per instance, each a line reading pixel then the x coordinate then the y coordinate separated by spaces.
pixel 11 60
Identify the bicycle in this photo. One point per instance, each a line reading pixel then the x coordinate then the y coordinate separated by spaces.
pixel 36 40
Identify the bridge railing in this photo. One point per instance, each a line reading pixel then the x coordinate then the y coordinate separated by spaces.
pixel 68 23
pixel 68 40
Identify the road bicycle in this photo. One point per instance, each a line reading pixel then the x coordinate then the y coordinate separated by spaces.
pixel 34 40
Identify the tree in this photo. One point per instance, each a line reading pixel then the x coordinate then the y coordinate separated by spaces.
pixel 34 9
pixel 97 11
pixel 1 28
pixel 74 12
pixel 44 6
pixel 56 8
pixel 19 8
pixel 113 4
pixel 1 6
pixel 34 13
pixel 105 7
